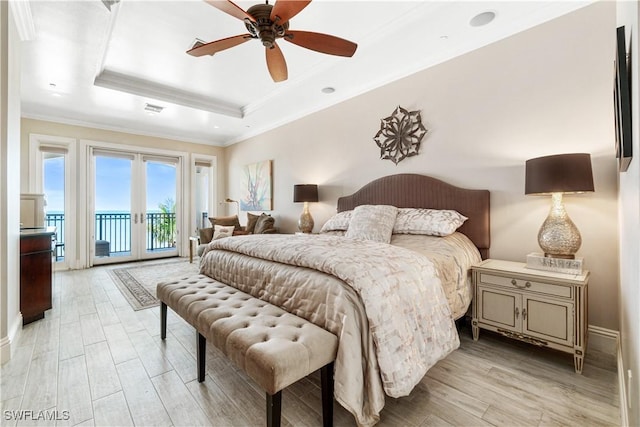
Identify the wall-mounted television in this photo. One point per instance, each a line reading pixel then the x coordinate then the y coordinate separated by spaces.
pixel 622 99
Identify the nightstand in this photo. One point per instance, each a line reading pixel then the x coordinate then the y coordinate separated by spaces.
pixel 539 307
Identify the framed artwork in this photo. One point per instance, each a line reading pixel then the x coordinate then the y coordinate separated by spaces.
pixel 256 187
pixel 622 100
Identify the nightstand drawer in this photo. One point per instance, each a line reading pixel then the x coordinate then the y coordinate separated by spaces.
pixel 528 285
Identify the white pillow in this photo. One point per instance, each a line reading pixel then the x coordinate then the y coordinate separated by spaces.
pixel 431 222
pixel 338 222
pixel 372 222
pixel 220 231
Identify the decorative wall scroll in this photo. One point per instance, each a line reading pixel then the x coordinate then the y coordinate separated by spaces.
pixel 400 135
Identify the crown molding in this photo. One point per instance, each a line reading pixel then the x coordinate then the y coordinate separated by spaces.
pixel 121 129
pixel 137 86
pixel 21 10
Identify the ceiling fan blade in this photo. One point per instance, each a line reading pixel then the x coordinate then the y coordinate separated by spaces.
pixel 322 43
pixel 231 8
pixel 287 9
pixel 219 45
pixel 276 64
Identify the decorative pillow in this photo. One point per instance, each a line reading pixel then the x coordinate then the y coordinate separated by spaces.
pixel 251 222
pixel 263 224
pixel 431 222
pixel 372 222
pixel 221 231
pixel 338 222
pixel 225 220
pixel 206 235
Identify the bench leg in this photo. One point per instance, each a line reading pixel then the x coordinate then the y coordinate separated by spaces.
pixel 201 350
pixel 326 377
pixel 274 406
pixel 163 320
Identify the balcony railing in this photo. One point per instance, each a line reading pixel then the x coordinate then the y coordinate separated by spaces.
pixel 57 220
pixel 113 232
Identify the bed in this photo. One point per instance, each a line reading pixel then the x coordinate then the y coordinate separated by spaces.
pixel 389 334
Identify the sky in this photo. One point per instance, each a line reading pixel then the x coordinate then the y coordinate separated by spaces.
pixel 113 184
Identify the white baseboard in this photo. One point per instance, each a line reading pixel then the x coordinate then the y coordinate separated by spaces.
pixel 608 342
pixel 5 342
pixel 622 389
pixel 604 340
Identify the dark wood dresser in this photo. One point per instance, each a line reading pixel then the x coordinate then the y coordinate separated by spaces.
pixel 36 251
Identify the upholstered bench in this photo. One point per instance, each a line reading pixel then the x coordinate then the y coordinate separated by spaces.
pixel 275 348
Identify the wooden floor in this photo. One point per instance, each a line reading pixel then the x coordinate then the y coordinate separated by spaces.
pixel 95 361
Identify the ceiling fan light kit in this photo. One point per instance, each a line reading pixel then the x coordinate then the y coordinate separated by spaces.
pixel 268 23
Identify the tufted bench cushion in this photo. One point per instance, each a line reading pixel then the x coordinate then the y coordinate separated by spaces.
pixel 275 348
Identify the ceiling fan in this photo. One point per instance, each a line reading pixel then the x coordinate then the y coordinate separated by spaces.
pixel 269 23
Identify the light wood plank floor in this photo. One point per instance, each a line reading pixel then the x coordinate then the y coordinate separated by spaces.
pixel 95 361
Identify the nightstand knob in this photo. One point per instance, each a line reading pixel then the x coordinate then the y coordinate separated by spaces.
pixel 514 282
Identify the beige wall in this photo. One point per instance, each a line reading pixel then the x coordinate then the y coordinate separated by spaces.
pixel 545 91
pixel 629 16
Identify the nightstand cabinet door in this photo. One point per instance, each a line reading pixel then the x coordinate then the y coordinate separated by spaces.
pixel 499 308
pixel 548 320
pixel 543 308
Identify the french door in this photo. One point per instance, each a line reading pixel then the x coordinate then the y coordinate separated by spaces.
pixel 133 213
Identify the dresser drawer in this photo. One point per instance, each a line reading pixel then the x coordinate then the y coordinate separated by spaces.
pixel 528 285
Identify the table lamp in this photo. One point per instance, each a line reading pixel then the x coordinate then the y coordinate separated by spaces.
pixel 557 175
pixel 305 193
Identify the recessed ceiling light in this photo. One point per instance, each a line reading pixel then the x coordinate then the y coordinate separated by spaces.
pixel 153 108
pixel 482 19
pixel 328 89
pixel 216 127
pixel 444 37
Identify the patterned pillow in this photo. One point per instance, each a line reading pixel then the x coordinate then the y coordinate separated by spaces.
pixel 338 222
pixel 431 222
pixel 372 222
pixel 221 231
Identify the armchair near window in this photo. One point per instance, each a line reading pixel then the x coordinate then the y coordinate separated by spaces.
pixel 257 224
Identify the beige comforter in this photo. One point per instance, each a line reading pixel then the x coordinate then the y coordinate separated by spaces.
pixel 385 304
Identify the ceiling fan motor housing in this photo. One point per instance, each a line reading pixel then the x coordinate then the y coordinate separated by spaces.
pixel 263 27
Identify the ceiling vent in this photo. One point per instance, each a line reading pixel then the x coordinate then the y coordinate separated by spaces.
pixel 153 108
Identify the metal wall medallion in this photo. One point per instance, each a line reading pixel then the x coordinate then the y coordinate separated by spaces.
pixel 400 135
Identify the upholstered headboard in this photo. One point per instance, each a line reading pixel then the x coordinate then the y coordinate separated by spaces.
pixel 421 191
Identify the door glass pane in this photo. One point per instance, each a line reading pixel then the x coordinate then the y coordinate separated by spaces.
pixel 54 194
pixel 113 206
pixel 202 196
pixel 161 206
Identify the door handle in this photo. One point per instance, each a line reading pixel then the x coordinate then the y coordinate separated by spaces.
pixel 135 218
pixel 524 314
pixel 141 218
pixel 517 312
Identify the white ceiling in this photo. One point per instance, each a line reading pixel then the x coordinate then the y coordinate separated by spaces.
pixel 106 65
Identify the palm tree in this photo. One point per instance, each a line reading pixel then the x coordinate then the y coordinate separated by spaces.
pixel 164 230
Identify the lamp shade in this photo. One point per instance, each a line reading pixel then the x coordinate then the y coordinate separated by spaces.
pixel 562 173
pixel 305 193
